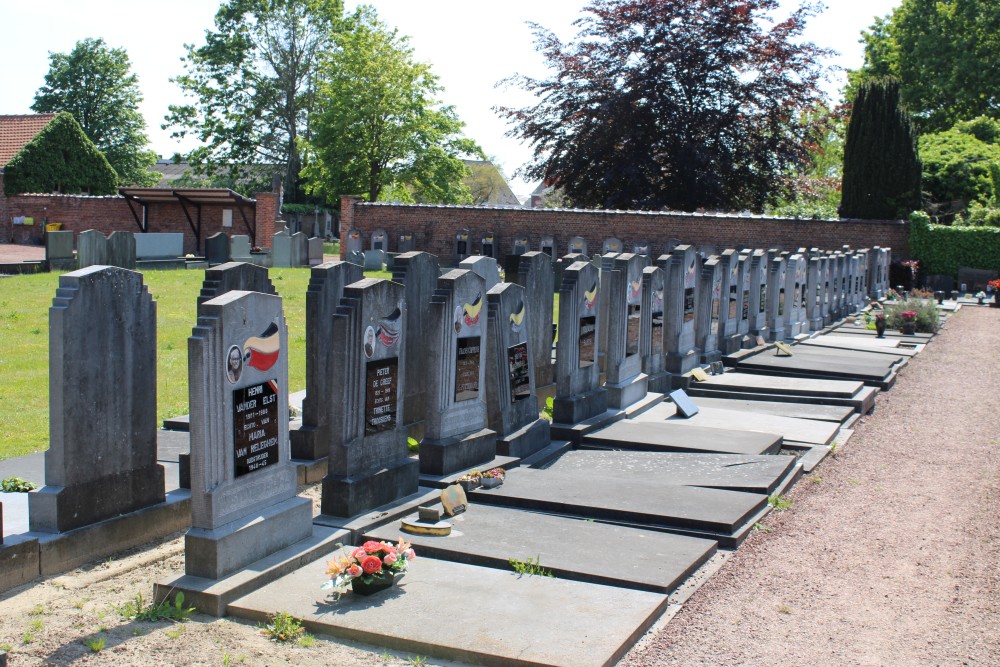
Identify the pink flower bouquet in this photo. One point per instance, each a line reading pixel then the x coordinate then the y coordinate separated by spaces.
pixel 372 559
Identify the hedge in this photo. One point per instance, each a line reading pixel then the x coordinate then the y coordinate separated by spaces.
pixel 942 249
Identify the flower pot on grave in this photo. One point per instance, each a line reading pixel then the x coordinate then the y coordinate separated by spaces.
pixel 880 327
pixel 491 482
pixel 908 328
pixel 469 484
pixel 379 582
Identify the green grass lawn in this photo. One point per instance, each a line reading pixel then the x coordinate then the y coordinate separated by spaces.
pixel 24 341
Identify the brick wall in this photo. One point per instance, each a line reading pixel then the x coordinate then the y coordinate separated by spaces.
pixel 434 228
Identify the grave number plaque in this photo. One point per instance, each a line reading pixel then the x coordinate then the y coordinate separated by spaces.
pixel 255 427
pixel 763 298
pixel 517 363
pixel 632 331
pixel 588 329
pixel 380 395
pixel 745 315
pixel 467 369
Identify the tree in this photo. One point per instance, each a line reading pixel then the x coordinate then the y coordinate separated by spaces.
pixel 815 185
pixel 671 103
pixel 94 83
pixel 946 54
pixel 379 126
pixel 961 164
pixel 60 158
pixel 881 168
pixel 253 83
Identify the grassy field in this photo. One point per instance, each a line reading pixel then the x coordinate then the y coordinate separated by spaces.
pixel 24 341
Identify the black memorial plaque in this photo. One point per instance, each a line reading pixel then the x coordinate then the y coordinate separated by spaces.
pixel 657 343
pixel 763 298
pixel 381 389
pixel 588 331
pixel 467 368
pixel 781 302
pixel 517 366
pixel 255 427
pixel 688 304
pixel 632 331
pixel 746 305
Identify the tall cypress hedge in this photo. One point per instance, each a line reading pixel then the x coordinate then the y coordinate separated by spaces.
pixel 61 158
pixel 881 166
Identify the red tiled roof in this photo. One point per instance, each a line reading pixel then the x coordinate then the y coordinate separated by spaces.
pixel 16 131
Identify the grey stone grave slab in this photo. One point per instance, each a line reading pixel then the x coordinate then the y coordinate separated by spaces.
pixel 217 249
pixel 314 251
pixel 418 272
pixel 681 267
pixel 92 249
pixel 814 294
pixel 353 242
pixel 281 250
pixel 778 301
pixel 838 414
pixel 872 369
pixel 511 399
pixel 892 334
pixel 606 264
pixel 578 392
pixel 243 502
pixel 807 431
pixel 520 245
pixel 101 460
pixel 577 245
pixel 569 548
pixel 861 344
pixel 59 251
pixel 651 341
pixel 625 383
pixel 483 266
pixel 380 240
pixel 547 245
pixel 239 248
pixel 233 276
pixel 374 260
pixel 299 245
pixel 612 245
pixel 356 257
pixel 707 315
pixel 321 406
pixel 825 286
pixel 766 384
pixel 534 273
pixel 462 245
pixel 121 250
pixel 406 243
pixel 757 273
pixel 159 245
pixel 369 464
pixel 510 634
pixel 743 303
pixel 647 436
pixel 794 282
pixel 662 503
pixel 455 433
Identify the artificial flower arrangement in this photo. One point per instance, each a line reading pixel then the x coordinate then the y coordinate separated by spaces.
pixel 372 560
pixel 471 480
pixel 892 295
pixel 995 284
pixel 908 315
pixel 493 477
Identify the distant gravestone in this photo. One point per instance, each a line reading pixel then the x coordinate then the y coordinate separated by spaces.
pixel 611 245
pixel 121 250
pixel 606 263
pixel 651 346
pixel 101 460
pixel 217 249
pixel 159 246
pixel 577 244
pixel 777 301
pixel 243 502
pixel 709 303
pixel 535 274
pixel 92 249
pixel 743 305
pixel 757 276
pixel 729 304
pixel 314 251
pixel 642 248
pixel 281 250
pixel 578 392
pixel 626 383
pixel 418 273
pixel 547 245
pixel 511 403
pixel 234 276
pixel 794 282
pixel 406 243
pixel 455 433
pixel 380 240
pixel 311 440
pixel 299 250
pixel 680 344
pixel 356 257
pixel 520 245
pixel 59 251
pixel 374 260
pixel 463 245
pixel 353 242
pixel 814 293
pixel 489 245
pixel 483 266
pixel 239 248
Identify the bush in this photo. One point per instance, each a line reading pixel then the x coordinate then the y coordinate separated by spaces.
pixel 981 216
pixel 957 166
pixel 928 319
pixel 942 249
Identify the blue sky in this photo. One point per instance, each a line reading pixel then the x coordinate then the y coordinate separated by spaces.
pixel 470 46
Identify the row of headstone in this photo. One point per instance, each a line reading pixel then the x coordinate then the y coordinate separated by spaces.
pixel 94 249
pixel 295 250
pixel 219 248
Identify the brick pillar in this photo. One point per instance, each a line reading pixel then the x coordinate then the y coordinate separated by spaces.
pixel 266 214
pixel 6 226
pixel 347 203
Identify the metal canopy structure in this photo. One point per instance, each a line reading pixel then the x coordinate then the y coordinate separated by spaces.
pixel 189 198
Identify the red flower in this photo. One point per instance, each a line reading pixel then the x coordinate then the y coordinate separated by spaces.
pixel 371 564
pixel 908 315
pixel 372 547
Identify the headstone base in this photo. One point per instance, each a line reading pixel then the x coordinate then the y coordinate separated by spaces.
pixel 680 364
pixel 216 553
pixel 776 335
pixel 525 441
pixel 575 409
pixel 62 264
pixel 442 457
pixel 350 496
pixel 816 324
pixel 305 444
pixel 659 383
pixel 624 394
pixel 711 357
pixel 19 562
pixel 56 509
pixel 730 344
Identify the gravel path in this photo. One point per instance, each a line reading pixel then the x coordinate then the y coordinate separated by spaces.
pixel 891 552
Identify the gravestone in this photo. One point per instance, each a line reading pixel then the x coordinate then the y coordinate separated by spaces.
pixel 353 242
pixel 239 248
pixel 484 267
pixel 243 502
pixel 488 245
pixel 535 274
pixel 548 246
pixel 327 281
pixel 281 250
pixel 314 251
pixel 579 395
pixel 606 263
pixel 101 460
pixel 380 240
pixel 233 276
pixel 121 250
pixel 159 245
pixel 418 273
pixel 299 254
pixel 577 245
pixel 406 243
pixel 794 288
pixel 625 383
pixel 511 402
pixel 743 304
pixel 777 303
pixel 463 246
pixel 814 294
pixel 59 251
pixel 842 278
pixel 92 249
pixel 758 294
pixel 680 342
pixel 651 346
pixel 455 433
pixel 369 464
pixel 729 315
pixel 642 248
pixel 611 245
pixel 356 257
pixel 520 245
pixel 707 316
pixel 217 249
pixel 824 287
pixel 374 260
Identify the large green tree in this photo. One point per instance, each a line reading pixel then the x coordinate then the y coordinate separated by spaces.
pixel 881 168
pixel 962 164
pixel 672 103
pixel 95 84
pixel 253 85
pixel 946 54
pixel 379 127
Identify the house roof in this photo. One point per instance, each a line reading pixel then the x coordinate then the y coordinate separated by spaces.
pixel 17 131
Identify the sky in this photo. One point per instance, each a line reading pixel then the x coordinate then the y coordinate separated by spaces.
pixel 470 46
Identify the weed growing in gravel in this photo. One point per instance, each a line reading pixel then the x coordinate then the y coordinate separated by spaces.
pixel 6 647
pixel 175 632
pixel 95 644
pixel 529 567
pixel 37 610
pixel 417 660
pixel 784 609
pixel 816 479
pixel 759 527
pixel 283 627
pixel 79 603
pixel 138 610
pixel 37 625
pixel 307 640
pixel 28 637
pixel 835 448
pixel 855 482
pixel 780 502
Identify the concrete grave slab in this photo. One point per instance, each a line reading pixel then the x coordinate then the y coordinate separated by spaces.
pixel 585 635
pixel 873 369
pixel 829 413
pixel 765 384
pixel 876 346
pixel 890 333
pixel 797 430
pixel 640 435
pixel 569 548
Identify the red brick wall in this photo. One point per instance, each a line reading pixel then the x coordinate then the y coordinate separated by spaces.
pixel 267 214
pixel 434 228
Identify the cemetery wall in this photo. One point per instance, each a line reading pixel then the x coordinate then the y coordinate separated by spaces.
pixel 79 213
pixel 434 228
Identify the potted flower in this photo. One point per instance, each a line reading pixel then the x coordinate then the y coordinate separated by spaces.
pixel 493 478
pixel 880 324
pixel 909 322
pixel 995 284
pixel 981 297
pixel 370 568
pixel 471 480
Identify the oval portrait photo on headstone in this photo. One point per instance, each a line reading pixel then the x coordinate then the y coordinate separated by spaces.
pixel 370 341
pixel 234 364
